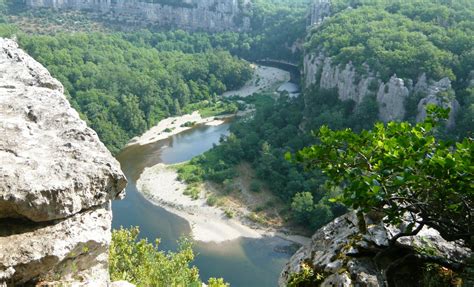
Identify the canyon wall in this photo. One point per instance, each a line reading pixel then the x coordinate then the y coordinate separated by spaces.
pixel 355 84
pixel 57 181
pixel 391 95
pixel 207 15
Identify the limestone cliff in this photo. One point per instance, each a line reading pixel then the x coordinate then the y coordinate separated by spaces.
pixel 391 95
pixel 319 10
pixel 355 84
pixel 57 181
pixel 343 255
pixel 208 15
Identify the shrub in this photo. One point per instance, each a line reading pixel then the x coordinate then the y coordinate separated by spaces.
pixel 229 213
pixel 255 186
pixel 211 200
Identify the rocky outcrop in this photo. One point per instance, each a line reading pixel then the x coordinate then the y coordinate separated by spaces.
pixel 56 181
pixel 343 255
pixel 208 15
pixel 320 9
pixel 355 84
pixel 391 98
pixel 438 93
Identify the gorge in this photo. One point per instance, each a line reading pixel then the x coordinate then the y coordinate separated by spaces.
pixel 356 63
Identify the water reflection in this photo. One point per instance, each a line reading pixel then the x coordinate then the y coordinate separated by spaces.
pixel 242 262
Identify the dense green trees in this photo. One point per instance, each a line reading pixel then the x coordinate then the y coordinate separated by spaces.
pixel 122 89
pixel 275 26
pixel 407 38
pixel 143 264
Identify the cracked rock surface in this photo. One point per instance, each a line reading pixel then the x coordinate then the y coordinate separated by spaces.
pixel 345 256
pixel 56 181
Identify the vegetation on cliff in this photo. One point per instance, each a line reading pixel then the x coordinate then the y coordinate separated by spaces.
pixel 432 37
pixel 407 39
pixel 408 177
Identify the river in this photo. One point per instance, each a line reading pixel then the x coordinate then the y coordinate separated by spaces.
pixel 242 262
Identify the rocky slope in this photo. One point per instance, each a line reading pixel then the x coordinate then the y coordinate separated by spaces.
pixel 57 181
pixel 208 15
pixel 354 84
pixel 343 255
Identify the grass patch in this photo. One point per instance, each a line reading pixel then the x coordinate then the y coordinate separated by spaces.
pixel 193 191
pixel 259 100
pixel 229 213
pixel 257 218
pixel 213 108
pixel 211 200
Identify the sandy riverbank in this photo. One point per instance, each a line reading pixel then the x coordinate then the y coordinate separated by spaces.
pixel 160 185
pixel 172 126
pixel 263 79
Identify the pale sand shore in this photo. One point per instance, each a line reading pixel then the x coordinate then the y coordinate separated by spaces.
pixel 172 126
pixel 264 79
pixel 160 185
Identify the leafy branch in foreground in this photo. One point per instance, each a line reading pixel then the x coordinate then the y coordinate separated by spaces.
pixel 143 264
pixel 402 170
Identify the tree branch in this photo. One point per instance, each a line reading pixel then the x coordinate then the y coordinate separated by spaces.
pixel 402 234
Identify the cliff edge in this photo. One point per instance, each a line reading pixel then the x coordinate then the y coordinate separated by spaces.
pixel 207 15
pixel 57 181
pixel 342 254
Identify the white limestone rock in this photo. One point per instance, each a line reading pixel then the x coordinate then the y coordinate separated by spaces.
pixel 438 93
pixel 57 181
pixel 65 251
pixel 320 10
pixel 351 84
pixel 52 165
pixel 391 99
pixel 209 15
pixel 345 255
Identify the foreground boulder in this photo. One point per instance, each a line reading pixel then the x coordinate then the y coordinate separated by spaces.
pixel 342 254
pixel 56 182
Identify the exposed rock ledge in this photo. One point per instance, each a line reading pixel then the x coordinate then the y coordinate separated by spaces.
pixel 391 95
pixel 346 256
pixel 56 181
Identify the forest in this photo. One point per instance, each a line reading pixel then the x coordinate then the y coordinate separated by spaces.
pixel 385 35
pixel 122 89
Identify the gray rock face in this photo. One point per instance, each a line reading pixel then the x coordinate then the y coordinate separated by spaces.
pixel 391 95
pixel 209 15
pixel 56 180
pixel 320 9
pixel 434 95
pixel 53 165
pixel 391 98
pixel 345 256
